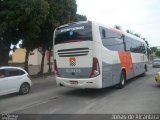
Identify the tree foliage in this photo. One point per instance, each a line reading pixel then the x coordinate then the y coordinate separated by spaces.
pixel 132 33
pixel 153 49
pixel 33 22
pixel 158 53
pixel 60 12
pixel 80 17
pixel 20 20
pixel 129 31
pixel 9 33
pixel 118 27
pixel 36 12
pixel 137 35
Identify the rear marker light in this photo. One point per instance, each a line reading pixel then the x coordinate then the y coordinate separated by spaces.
pixel 96 72
pixel 95 68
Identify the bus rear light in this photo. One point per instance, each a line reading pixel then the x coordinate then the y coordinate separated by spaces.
pixel 56 69
pixel 95 68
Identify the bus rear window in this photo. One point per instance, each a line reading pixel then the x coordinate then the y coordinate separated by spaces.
pixel 74 33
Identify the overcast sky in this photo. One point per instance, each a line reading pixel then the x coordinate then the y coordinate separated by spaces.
pixel 140 16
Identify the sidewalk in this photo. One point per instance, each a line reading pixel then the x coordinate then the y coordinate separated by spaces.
pixel 43 78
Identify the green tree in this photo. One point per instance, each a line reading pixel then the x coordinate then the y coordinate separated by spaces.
pixel 158 53
pixel 118 27
pixel 137 35
pixel 34 13
pixel 81 17
pixel 9 32
pixel 129 31
pixel 20 20
pixel 60 12
pixel 153 49
pixel 146 41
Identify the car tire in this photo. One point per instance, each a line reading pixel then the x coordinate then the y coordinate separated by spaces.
pixel 122 80
pixel 24 89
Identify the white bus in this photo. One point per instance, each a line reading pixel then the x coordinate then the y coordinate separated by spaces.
pixel 90 55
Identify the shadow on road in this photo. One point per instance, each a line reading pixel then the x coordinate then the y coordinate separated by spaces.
pixel 157 85
pixel 9 96
pixel 92 93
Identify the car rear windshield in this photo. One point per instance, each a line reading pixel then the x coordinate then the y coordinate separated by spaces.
pixel 74 33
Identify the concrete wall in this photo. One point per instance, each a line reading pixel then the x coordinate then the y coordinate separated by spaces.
pixel 34 60
pixel 19 55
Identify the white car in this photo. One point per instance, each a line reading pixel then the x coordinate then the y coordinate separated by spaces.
pixel 14 79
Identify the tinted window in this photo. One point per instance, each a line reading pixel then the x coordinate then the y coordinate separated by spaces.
pixel 114 44
pixel 111 40
pixel 21 72
pixel 74 33
pixel 14 72
pixel 135 45
pixel 2 73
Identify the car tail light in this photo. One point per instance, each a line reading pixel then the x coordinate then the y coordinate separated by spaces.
pixel 95 68
pixel 56 69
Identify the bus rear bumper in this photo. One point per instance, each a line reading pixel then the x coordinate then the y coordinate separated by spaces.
pixel 80 83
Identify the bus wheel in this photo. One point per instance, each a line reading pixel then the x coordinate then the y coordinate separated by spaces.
pixel 145 70
pixel 122 80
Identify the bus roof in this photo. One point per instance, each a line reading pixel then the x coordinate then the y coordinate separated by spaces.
pixel 120 31
pixel 99 24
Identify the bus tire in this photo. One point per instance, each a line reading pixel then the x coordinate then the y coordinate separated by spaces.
pixel 145 67
pixel 122 80
pixel 145 70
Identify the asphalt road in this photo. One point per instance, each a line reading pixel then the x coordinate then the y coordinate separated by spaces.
pixel 140 95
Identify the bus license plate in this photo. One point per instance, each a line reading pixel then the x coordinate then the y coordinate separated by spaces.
pixel 73 82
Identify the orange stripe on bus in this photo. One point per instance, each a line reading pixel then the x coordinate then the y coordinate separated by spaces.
pixel 126 61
